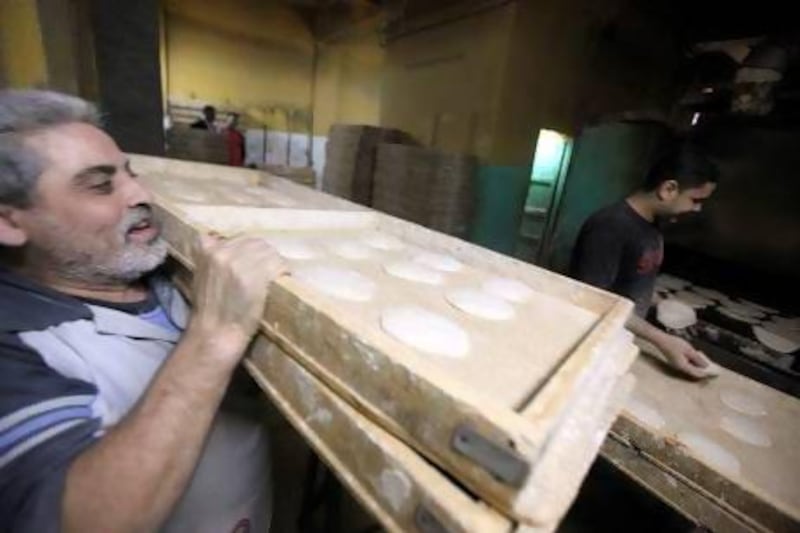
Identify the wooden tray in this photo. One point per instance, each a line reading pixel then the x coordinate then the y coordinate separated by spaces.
pixel 765 491
pixel 403 491
pixel 487 419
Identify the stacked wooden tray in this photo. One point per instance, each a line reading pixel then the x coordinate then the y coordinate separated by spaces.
pixel 425 186
pixel 491 430
pixel 350 159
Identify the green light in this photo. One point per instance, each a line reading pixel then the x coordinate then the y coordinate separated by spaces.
pixel 548 156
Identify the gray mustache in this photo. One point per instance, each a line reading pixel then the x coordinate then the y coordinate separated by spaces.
pixel 134 216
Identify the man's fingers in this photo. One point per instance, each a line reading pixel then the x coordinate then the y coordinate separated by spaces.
pixel 698 358
pixel 691 370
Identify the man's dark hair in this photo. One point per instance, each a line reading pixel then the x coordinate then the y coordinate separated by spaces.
pixel 687 166
pixel 209 111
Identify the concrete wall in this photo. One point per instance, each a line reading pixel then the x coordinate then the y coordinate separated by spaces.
pixel 261 59
pixel 442 82
pixel 22 56
pixel 48 44
pixel 348 77
pixel 237 53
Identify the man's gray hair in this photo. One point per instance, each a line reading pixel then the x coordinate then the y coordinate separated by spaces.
pixel 22 113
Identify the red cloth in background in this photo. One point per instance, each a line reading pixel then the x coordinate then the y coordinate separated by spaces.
pixel 235 142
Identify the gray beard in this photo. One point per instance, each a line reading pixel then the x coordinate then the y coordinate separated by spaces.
pixel 129 264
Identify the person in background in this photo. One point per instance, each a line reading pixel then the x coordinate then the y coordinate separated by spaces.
pixel 234 140
pixel 620 248
pixel 207 122
pixel 111 388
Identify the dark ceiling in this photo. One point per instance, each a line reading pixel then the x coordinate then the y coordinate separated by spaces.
pixel 693 20
pixel 717 20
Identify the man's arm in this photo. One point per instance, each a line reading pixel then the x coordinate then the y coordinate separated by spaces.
pixel 131 478
pixel 679 353
pixel 596 261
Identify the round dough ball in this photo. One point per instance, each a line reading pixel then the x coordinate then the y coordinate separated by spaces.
pixel 508 289
pixel 711 293
pixel 735 315
pixel 742 402
pixel 675 314
pixel 741 309
pixel 338 282
pixel 645 413
pixel 411 271
pixel 292 248
pixel 671 282
pixel 263 195
pixel 443 262
pixel 384 242
pixel 758 307
pixel 774 341
pixel 745 430
pixel 694 300
pixel 352 250
pixel 426 331
pixel 711 453
pixel 481 304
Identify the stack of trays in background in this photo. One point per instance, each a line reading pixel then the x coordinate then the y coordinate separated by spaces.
pixel 196 145
pixel 449 387
pixel 350 159
pixel 425 186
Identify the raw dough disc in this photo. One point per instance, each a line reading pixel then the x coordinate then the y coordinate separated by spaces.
pixel 783 329
pixel 711 370
pixel 730 313
pixel 508 289
pixel 780 324
pixel 443 262
pixel 411 271
pixel 351 250
pixel 743 310
pixel 710 293
pixel 711 453
pixel 292 248
pixel 742 402
pixel 693 299
pixel 426 331
pixel 671 282
pixel 269 196
pixel 383 242
pixel 481 304
pixel 745 430
pixel 337 282
pixel 645 413
pixel 754 351
pixel 675 314
pixel 182 195
pixel 758 307
pixel 776 342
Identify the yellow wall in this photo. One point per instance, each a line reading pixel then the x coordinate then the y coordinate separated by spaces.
pixel 21 46
pixel 238 54
pixel 348 77
pixel 442 84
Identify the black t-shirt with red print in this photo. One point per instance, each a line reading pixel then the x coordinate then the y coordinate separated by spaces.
pixel 620 251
